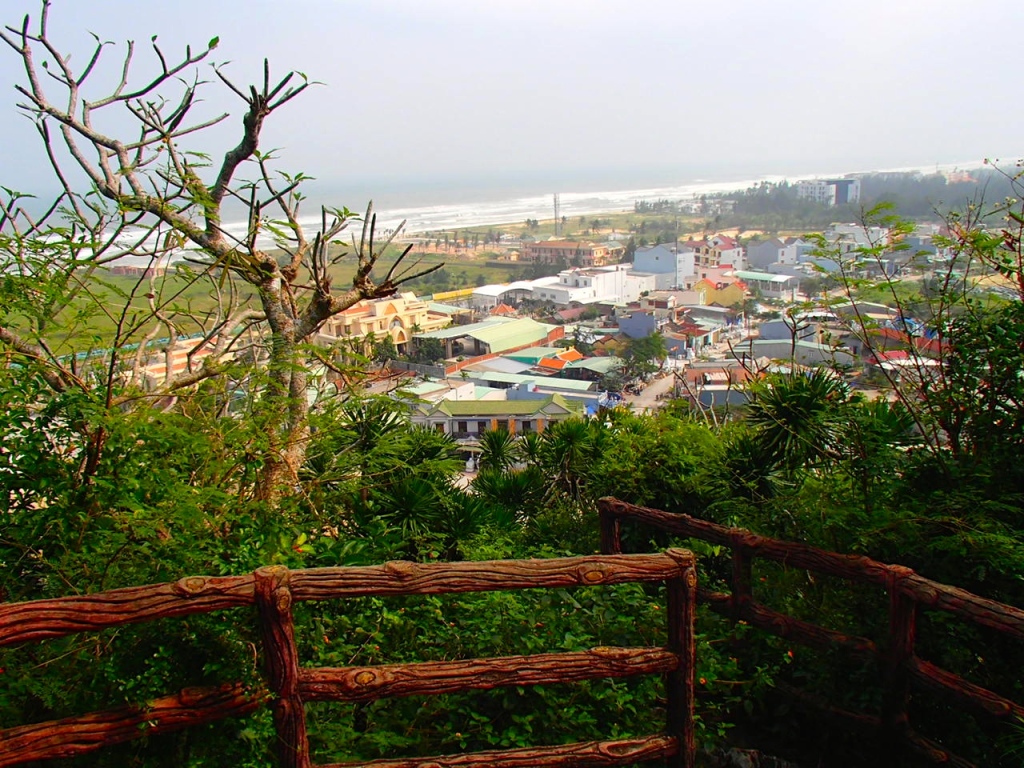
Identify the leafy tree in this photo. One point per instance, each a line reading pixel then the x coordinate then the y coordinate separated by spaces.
pixel 427 350
pixel 384 350
pixel 643 357
pixel 150 197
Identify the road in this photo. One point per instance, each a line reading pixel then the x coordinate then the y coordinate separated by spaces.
pixel 648 399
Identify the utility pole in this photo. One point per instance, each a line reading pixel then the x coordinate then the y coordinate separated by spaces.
pixel 558 217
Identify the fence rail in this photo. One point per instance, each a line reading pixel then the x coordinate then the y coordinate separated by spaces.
pixel 908 593
pixel 273 591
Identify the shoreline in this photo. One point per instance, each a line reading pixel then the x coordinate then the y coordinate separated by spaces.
pixel 513 209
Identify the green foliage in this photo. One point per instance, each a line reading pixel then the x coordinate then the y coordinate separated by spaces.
pixel 384 350
pixel 426 351
pixel 643 357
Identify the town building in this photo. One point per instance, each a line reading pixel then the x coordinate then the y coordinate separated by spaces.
pixel 673 264
pixel 781 287
pixel 574 253
pixel 397 317
pixel 494 335
pixel 829 191
pixel 467 420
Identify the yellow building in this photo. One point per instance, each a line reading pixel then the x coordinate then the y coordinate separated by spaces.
pixel 722 294
pixel 398 316
pixel 576 253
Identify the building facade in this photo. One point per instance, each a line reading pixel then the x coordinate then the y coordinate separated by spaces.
pixel 830 191
pixel 575 253
pixel 397 317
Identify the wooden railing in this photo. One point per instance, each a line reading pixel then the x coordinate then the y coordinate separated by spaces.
pixel 901 669
pixel 288 686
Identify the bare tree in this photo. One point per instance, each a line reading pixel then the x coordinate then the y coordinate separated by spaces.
pixel 145 195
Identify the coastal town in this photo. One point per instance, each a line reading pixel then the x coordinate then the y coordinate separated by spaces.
pixel 690 320
pixel 580 438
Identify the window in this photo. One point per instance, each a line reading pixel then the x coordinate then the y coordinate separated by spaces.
pixel 526 426
pixel 462 427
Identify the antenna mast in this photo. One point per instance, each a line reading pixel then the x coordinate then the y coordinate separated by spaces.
pixel 558 217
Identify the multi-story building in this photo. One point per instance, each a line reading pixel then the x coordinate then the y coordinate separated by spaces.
pixel 674 264
pixel 575 253
pixel 614 283
pixel 830 191
pixel 397 316
pixel 717 251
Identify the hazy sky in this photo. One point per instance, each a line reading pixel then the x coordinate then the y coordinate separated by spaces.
pixel 443 89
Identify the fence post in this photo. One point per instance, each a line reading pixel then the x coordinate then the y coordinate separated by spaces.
pixel 611 530
pixel 742 580
pixel 274 603
pixel 682 604
pixel 898 652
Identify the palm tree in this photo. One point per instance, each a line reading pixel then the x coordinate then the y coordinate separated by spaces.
pixel 530 448
pixel 799 419
pixel 520 493
pixel 566 456
pixel 497 450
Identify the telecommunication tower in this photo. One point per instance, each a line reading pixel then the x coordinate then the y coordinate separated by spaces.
pixel 558 217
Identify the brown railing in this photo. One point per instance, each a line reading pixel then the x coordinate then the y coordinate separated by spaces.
pixel 908 592
pixel 288 686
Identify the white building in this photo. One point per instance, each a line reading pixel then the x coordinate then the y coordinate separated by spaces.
pixel 730 252
pixel 830 191
pixel 675 264
pixel 588 286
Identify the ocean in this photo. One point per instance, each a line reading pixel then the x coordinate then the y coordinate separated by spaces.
pixel 432 205
pixel 440 204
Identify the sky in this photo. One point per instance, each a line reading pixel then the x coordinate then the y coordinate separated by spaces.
pixel 563 92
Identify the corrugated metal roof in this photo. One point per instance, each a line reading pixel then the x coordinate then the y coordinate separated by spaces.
pixel 533 354
pixel 543 382
pixel 764 277
pixel 490 290
pixel 464 330
pixel 597 364
pixel 499 365
pixel 445 309
pixel 515 333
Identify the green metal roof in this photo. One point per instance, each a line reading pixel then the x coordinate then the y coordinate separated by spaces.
pixel 498 333
pixel 534 354
pixel 421 388
pixel 516 333
pixel 456 331
pixel 471 408
pixel 764 277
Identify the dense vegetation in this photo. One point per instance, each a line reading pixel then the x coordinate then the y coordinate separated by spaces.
pixel 107 481
pixel 774 207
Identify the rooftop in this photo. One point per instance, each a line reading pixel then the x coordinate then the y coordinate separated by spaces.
pixel 505 407
pixel 544 382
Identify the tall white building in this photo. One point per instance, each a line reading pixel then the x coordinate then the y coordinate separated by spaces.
pixel 830 191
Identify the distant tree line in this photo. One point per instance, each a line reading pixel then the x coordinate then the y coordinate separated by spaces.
pixel 775 206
